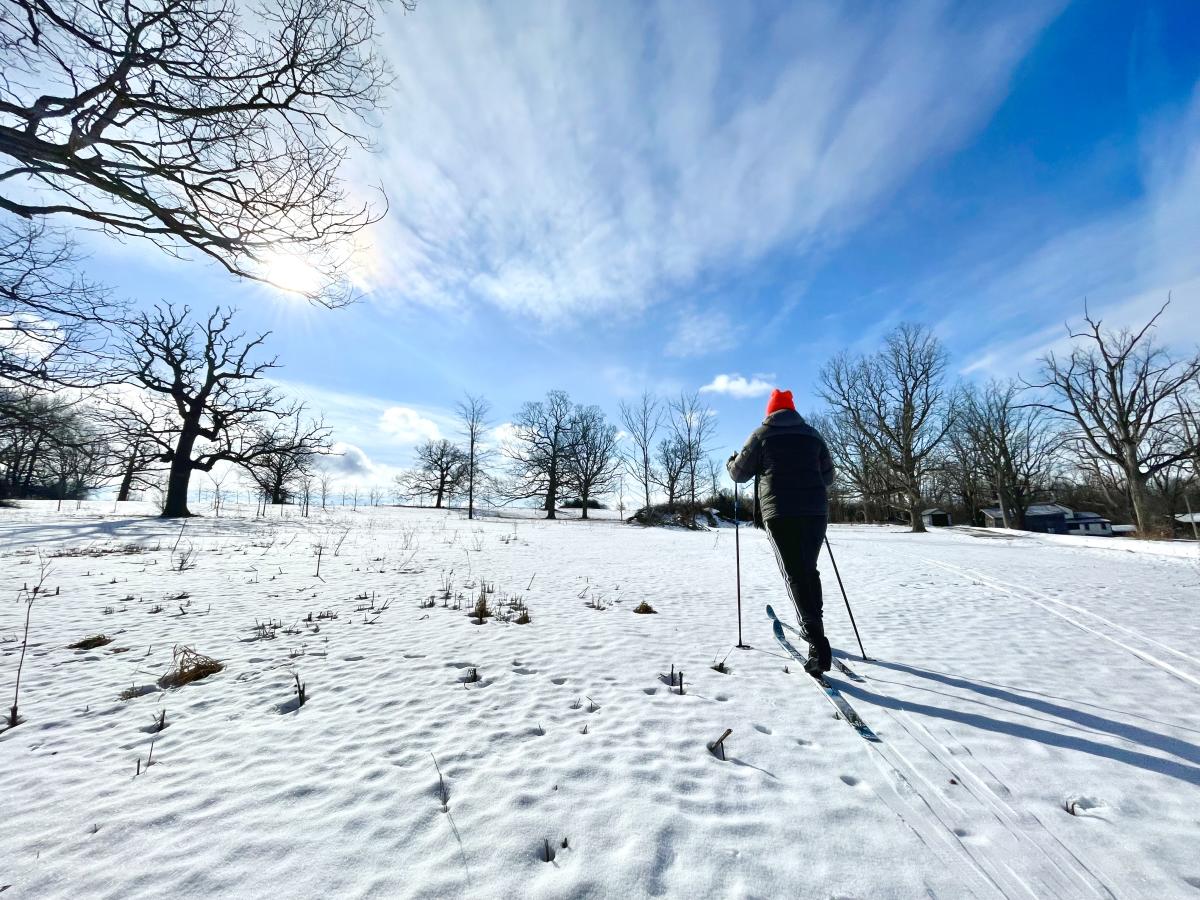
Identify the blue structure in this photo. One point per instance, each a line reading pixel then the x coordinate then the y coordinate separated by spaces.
pixel 1054 518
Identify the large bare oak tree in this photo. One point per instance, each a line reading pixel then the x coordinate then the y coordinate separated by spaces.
pixel 210 125
pixel 213 387
pixel 1121 396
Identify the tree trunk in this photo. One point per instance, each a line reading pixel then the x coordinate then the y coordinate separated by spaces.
pixel 646 484
pixel 471 484
pixel 551 492
pixel 584 498
pixel 176 504
pixel 914 512
pixel 1137 496
pixel 127 476
pixel 1018 515
pixel 440 491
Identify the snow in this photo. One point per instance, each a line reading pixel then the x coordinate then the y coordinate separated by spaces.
pixel 1181 549
pixel 1036 701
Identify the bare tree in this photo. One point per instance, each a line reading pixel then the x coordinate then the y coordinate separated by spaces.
pixel 129 423
pixel 324 486
pixel 861 472
pixel 896 400
pixel 1120 395
pixel 286 451
pixel 198 124
pixel 214 388
pixel 964 475
pixel 29 420
pixel 642 421
pixel 541 440
pixel 53 323
pixel 693 424
pixel 672 459
pixel 441 469
pixel 218 477
pixel 1190 406
pixel 592 464
pixel 472 416
pixel 1015 443
pixel 50 447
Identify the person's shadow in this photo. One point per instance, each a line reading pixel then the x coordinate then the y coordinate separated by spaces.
pixel 1184 771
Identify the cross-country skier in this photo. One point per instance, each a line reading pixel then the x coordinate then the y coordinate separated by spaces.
pixel 794 471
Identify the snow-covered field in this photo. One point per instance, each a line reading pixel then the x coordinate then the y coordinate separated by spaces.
pixel 1038 704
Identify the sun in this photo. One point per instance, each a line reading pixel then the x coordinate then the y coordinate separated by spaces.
pixel 291 272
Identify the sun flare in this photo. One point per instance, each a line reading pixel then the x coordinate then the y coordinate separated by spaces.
pixel 291 272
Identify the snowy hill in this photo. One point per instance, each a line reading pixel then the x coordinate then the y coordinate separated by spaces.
pixel 1036 701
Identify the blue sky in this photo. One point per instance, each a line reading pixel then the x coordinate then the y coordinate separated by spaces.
pixel 609 197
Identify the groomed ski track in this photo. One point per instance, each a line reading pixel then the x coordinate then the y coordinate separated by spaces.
pixel 1018 856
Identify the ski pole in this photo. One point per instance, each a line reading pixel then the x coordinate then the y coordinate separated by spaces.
pixel 844 597
pixel 737 556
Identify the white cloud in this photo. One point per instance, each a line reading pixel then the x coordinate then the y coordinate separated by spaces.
pixel 582 159
pixel 502 435
pixel 738 386
pixel 408 426
pixel 347 461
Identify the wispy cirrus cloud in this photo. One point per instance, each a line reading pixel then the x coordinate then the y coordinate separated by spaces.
pixel 738 386
pixel 1015 305
pixel 574 159
pixel 701 333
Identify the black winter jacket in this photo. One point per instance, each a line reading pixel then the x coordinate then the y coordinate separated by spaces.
pixel 793 465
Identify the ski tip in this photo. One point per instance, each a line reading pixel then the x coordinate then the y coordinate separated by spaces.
pixel 771 612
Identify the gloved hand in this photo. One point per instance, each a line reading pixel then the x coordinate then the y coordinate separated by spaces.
pixel 732 457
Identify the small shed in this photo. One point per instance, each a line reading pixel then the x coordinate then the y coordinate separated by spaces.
pixel 992 517
pixel 936 518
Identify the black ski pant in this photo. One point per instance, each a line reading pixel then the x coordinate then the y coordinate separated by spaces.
pixel 797 541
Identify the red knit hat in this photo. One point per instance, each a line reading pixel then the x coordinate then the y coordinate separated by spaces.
pixel 780 400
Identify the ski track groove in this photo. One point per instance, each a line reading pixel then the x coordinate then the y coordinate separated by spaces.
pixel 1015 824
pixel 901 773
pixel 1025 594
pixel 1055 877
pixel 998 798
pixel 996 582
pixel 1007 881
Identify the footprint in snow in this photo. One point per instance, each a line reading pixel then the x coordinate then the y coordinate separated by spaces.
pixel 524 670
pixel 651 691
pixel 1085 806
pixel 850 780
pixel 721 698
pixel 763 729
pixel 558 681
